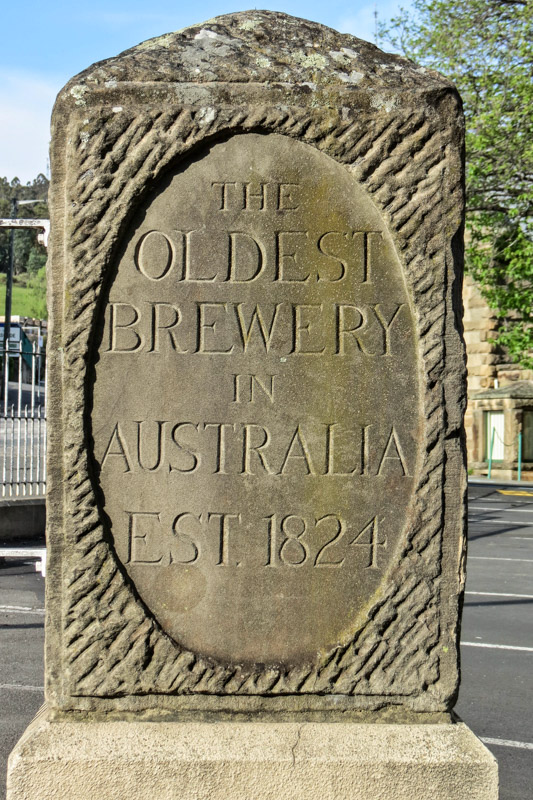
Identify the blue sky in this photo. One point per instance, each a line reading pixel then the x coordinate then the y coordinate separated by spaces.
pixel 45 44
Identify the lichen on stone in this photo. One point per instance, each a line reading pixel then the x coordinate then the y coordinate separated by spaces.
pixel 160 41
pixel 353 77
pixel 78 93
pixel 206 34
pixel 381 101
pixel 316 60
pixel 259 46
pixel 249 24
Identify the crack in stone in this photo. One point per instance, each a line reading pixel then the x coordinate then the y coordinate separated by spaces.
pixel 296 743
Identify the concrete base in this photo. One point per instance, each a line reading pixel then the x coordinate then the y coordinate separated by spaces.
pixel 239 761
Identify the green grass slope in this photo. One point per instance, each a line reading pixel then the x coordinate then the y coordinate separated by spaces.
pixel 22 303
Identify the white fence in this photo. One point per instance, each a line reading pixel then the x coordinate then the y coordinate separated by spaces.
pixel 23 422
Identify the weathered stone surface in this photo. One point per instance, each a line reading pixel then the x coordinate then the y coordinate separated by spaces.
pixel 255 196
pixel 138 760
pixel 268 340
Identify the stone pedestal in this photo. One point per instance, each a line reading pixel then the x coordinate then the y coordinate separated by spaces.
pixel 256 470
pixel 238 761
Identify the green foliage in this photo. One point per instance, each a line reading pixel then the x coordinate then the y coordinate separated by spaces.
pixel 28 254
pixel 486 48
pixel 37 287
pixel 36 260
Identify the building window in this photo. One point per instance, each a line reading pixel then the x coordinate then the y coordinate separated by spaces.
pixel 494 435
pixel 527 437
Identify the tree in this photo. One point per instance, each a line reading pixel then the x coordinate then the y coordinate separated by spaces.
pixel 28 254
pixel 486 48
pixel 36 259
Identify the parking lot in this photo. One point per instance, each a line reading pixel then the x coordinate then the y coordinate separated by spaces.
pixel 496 697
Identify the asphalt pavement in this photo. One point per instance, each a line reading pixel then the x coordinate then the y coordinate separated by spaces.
pixel 21 653
pixel 25 393
pixel 496 696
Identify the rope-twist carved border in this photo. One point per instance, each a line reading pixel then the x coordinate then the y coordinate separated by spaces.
pixel 112 647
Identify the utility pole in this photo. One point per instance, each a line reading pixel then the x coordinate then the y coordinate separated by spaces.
pixel 9 294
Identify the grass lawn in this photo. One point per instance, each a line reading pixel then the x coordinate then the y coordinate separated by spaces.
pixel 22 301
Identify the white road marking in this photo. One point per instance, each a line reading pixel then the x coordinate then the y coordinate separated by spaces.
pixel 504 508
pixel 497 558
pixel 20 610
pixel 20 686
pixel 502 594
pixel 506 743
pixel 499 522
pixel 497 646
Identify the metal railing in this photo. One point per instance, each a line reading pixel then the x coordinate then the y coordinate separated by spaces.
pixel 23 421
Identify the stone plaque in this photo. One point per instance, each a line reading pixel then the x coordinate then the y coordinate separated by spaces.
pixel 256 470
pixel 255 412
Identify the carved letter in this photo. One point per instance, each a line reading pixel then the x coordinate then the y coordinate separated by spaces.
pixel 326 244
pixel 157 326
pixel 285 197
pixel 304 327
pixel 162 253
pixel 115 326
pixel 257 318
pixel 255 251
pixel 286 258
pixel 346 327
pixel 203 326
pixel 237 387
pixel 158 448
pixel 386 324
pixel 301 453
pixel 121 452
pixel 221 444
pixel 255 380
pixel 224 536
pixel 330 452
pixel 186 537
pixel 254 384
pixel 368 241
pixel 250 195
pixel 393 452
pixel 135 538
pixel 365 449
pixel 223 195
pixel 195 457
pixel 189 263
pixel 249 448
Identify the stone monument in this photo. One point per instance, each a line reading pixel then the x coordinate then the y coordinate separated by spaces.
pixel 256 477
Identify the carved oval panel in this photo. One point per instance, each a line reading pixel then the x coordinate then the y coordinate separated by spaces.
pixel 255 402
